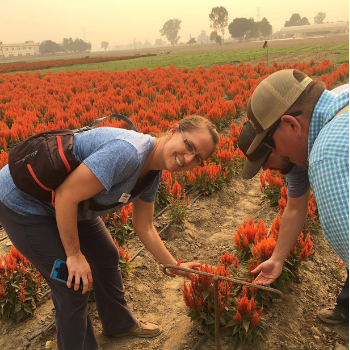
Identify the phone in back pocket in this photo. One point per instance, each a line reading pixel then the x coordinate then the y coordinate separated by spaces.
pixel 60 273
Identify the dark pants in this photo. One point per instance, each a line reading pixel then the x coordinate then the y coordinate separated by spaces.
pixel 37 238
pixel 343 298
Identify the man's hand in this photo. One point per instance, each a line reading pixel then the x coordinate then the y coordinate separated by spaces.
pixel 79 268
pixel 269 272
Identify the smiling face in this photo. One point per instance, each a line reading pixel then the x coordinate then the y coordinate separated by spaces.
pixel 185 150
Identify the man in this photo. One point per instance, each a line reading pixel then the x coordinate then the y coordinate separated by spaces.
pixel 298 127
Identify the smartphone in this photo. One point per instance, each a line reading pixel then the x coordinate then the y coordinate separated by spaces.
pixel 60 273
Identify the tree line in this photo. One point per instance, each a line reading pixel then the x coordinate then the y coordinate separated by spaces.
pixel 67 45
pixel 239 28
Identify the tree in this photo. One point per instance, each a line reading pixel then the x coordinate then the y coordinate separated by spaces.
pixel 147 44
pixel 265 28
pixel 170 30
pixel 240 28
pixel 213 35
pixel 253 29
pixel 49 46
pixel 78 45
pixel 191 41
pixel 296 20
pixel 104 45
pixel 219 18
pixel 319 18
pixel 203 37
pixel 67 44
pixel 303 22
pixel 160 42
pixel 218 39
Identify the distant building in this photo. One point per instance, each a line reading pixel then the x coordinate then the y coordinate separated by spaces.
pixel 314 30
pixel 28 48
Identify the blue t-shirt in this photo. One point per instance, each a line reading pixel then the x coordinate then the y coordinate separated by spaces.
pixel 115 156
pixel 297 181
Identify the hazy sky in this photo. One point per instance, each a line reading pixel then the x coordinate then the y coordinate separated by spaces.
pixel 119 22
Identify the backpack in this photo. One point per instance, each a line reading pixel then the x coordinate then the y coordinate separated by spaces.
pixel 40 163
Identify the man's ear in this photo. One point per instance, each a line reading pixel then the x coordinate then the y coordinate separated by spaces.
pixel 292 124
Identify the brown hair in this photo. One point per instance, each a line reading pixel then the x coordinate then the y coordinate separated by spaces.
pixel 194 122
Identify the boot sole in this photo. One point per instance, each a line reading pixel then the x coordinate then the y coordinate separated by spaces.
pixel 327 320
pixel 127 334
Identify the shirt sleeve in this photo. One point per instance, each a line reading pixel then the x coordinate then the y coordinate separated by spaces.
pixel 113 162
pixel 297 181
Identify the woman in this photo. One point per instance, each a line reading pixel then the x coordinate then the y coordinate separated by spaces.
pixel 112 161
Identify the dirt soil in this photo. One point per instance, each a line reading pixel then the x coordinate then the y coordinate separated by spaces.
pixel 207 233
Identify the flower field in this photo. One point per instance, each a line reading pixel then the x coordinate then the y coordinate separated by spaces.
pixel 14 67
pixel 153 101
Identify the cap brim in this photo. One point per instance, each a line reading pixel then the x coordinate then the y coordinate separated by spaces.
pixel 250 169
pixel 257 141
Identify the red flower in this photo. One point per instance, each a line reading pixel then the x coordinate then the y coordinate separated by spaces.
pixel 238 317
pixel 255 319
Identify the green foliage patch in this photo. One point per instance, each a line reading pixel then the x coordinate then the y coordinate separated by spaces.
pixel 194 60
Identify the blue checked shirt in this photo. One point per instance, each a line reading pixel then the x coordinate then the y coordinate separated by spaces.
pixel 328 157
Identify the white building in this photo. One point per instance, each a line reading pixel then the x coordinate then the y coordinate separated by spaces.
pixel 315 30
pixel 28 48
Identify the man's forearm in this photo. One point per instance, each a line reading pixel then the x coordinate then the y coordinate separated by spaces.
pixel 292 223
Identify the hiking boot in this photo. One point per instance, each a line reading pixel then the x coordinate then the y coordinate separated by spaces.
pixel 332 315
pixel 142 329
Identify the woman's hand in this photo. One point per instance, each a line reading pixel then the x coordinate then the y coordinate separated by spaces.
pixel 79 268
pixel 189 265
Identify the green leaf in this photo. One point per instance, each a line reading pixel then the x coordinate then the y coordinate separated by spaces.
pixel 18 307
pixel 203 315
pixel 250 337
pixel 304 267
pixel 205 294
pixel 246 324
pixel 27 309
pixel 210 320
pixel 231 323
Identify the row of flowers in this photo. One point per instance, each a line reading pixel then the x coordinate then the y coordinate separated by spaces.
pixel 25 66
pixel 153 100
pixel 241 307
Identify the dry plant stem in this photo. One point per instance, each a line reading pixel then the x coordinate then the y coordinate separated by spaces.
pixel 233 280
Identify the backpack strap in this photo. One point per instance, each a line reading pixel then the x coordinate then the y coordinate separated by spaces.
pixel 117 116
pixel 343 110
pixel 98 121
